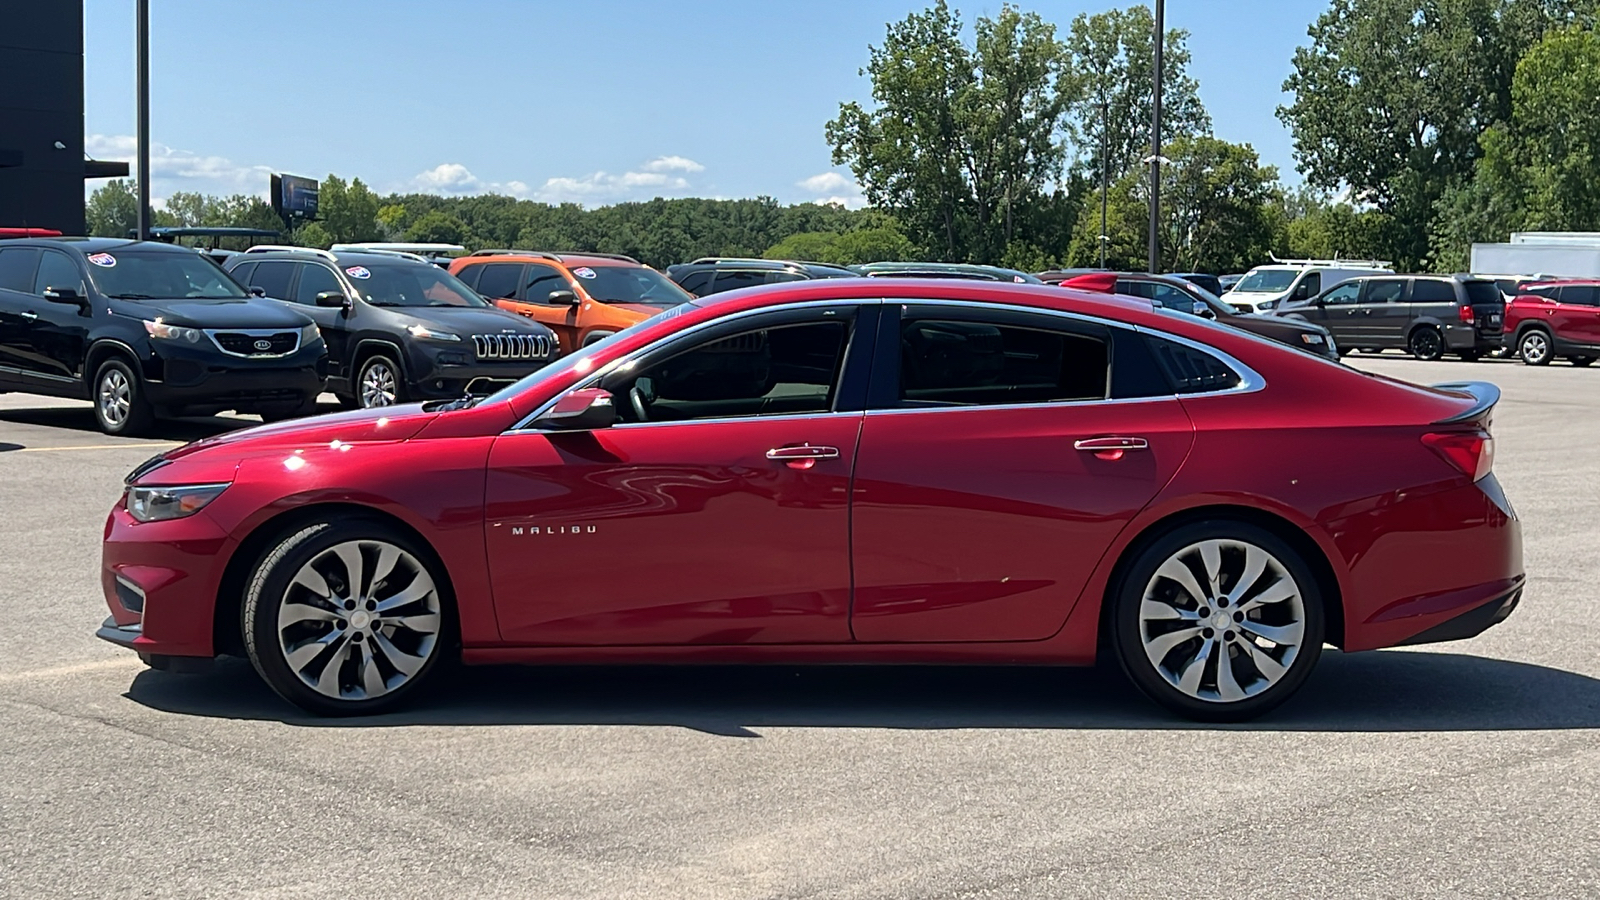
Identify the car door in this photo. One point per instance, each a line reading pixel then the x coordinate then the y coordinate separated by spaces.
pixel 1381 317
pixel 715 512
pixel 58 333
pixel 1334 311
pixel 560 315
pixel 1577 315
pixel 311 280
pixel 18 266
pixel 998 461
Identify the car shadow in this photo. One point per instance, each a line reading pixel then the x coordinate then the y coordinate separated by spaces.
pixel 1384 691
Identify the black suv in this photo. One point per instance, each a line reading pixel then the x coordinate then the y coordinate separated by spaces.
pixel 398 327
pixel 967 271
pixel 713 275
pixel 145 329
pixel 1429 315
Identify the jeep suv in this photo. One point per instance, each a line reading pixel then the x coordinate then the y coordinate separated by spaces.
pixel 582 297
pixel 715 274
pixel 1427 315
pixel 1555 318
pixel 398 328
pixel 145 330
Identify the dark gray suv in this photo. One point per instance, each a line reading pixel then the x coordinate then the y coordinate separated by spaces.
pixel 1427 315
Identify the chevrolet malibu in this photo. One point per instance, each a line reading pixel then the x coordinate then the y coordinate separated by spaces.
pixel 841 471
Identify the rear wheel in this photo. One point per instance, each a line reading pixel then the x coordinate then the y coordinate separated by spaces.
pixel 120 405
pixel 345 617
pixel 380 383
pixel 1534 347
pixel 1426 344
pixel 1219 621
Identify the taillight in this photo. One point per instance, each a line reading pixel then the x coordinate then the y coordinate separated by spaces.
pixel 1468 317
pixel 1471 452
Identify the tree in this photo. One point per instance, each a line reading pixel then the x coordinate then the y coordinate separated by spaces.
pixel 348 211
pixel 113 209
pixel 961 140
pixel 437 228
pixel 1113 60
pixel 1392 97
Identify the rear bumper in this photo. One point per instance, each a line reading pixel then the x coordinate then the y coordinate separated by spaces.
pixel 1468 337
pixel 1471 623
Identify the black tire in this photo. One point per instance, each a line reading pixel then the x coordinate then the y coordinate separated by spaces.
pixel 1582 361
pixel 307 407
pixel 596 337
pixel 347 402
pixel 120 405
pixel 1470 355
pixel 348 633
pixel 1129 624
pixel 1426 344
pixel 1534 347
pixel 373 396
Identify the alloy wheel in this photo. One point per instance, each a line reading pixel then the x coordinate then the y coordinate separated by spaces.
pixel 1535 348
pixel 1222 620
pixel 359 620
pixel 115 397
pixel 378 385
pixel 1426 344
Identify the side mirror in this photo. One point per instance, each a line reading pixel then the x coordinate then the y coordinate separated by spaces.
pixel 258 292
pixel 1203 310
pixel 568 297
pixel 69 296
pixel 332 300
pixel 584 410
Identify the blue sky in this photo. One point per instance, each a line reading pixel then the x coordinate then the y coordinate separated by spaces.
pixel 595 102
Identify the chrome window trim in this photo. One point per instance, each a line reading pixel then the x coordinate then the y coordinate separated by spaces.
pixel 256 332
pixel 1250 380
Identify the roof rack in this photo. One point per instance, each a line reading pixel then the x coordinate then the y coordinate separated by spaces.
pixel 285 248
pixel 598 255
pixel 416 257
pixel 502 252
pixel 1360 263
pixel 742 260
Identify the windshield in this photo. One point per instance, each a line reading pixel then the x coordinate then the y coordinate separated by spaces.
pixel 630 284
pixel 582 359
pixel 1267 281
pixel 411 284
pixel 160 275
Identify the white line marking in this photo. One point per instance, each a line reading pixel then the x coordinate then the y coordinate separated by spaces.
pixel 80 668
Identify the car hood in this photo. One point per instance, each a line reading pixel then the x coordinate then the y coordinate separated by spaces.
pixel 393 423
pixel 466 321
pixel 245 312
pixel 1274 325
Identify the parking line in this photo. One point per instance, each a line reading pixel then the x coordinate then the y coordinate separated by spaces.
pixel 92 447
pixel 124 662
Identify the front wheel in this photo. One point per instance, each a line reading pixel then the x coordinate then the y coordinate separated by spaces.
pixel 1534 348
pixel 1218 621
pixel 120 405
pixel 380 383
pixel 345 617
pixel 1426 344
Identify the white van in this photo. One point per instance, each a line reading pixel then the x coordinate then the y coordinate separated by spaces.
pixel 1264 287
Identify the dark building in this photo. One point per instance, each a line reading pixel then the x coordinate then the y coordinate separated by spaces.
pixel 41 117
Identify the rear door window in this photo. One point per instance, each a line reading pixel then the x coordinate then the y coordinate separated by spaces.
pixel 1580 294
pixel 980 363
pixel 1426 290
pixel 732 281
pixel 499 280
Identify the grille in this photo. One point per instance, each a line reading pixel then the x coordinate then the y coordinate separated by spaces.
pixel 248 343
pixel 491 347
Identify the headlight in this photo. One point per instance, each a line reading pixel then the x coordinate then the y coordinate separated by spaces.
pixel 155 504
pixel 430 334
pixel 1311 338
pixel 162 331
pixel 310 333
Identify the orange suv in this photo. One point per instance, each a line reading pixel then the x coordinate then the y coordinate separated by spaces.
pixel 583 297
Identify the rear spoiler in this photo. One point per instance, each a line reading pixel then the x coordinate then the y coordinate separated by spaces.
pixel 1484 396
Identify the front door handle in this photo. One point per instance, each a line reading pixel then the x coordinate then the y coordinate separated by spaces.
pixel 1111 448
pixel 803 456
pixel 29 316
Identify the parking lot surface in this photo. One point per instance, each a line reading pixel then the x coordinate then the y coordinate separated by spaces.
pixel 1456 770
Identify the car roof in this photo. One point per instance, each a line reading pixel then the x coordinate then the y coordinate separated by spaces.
pixel 1041 296
pixel 97 244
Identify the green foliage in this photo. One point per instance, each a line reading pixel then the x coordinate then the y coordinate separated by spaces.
pixel 348 211
pixel 963 142
pixel 113 209
pixel 313 234
pixel 437 227
pixel 880 243
pixel 1113 56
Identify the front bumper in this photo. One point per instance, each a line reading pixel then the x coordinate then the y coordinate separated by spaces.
pixel 197 379
pixel 160 582
pixel 449 370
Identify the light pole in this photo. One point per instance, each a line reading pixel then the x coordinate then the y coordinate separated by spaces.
pixel 142 89
pixel 1105 173
pixel 1155 144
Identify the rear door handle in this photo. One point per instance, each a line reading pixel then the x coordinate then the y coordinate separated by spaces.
pixel 29 316
pixel 1111 448
pixel 802 457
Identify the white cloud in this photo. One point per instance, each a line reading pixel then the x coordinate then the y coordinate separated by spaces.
pixel 172 169
pixel 657 177
pixel 672 164
pixel 454 179
pixel 832 187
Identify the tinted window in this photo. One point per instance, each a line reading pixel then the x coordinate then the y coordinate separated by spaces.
pixel 57 270
pixel 1581 294
pixel 1172 298
pixel 1311 285
pixel 945 363
pixel 17 266
pixel 544 279
pixel 696 282
pixel 1386 291
pixel 629 284
pixel 732 281
pixel 498 280
pixel 241 273
pixel 140 274
pixel 1483 293
pixel 1192 371
pixel 273 277
pixel 1136 289
pixel 411 284
pixel 1343 294
pixel 1426 290
pixel 315 279
pixel 775 371
pixel 469 276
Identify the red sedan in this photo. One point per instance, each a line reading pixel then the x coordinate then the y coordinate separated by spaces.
pixel 841 471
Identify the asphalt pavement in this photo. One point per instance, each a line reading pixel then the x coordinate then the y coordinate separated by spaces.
pixel 1459 770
